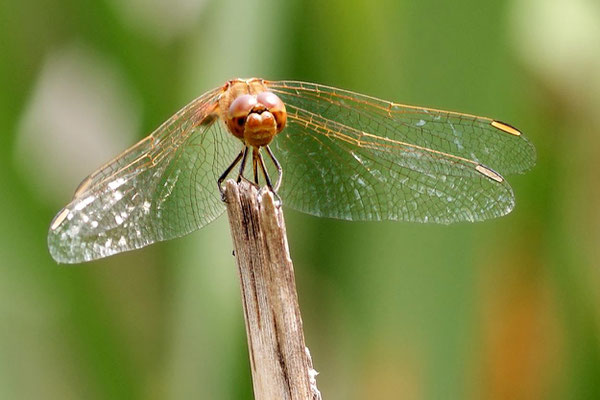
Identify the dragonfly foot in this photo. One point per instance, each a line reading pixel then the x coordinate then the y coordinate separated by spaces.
pixel 222 191
pixel 276 198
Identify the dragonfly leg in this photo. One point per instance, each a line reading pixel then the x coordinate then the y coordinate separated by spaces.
pixel 243 165
pixel 278 166
pixel 264 170
pixel 255 165
pixel 227 171
pixel 267 179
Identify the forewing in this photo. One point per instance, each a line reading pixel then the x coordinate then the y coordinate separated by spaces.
pixel 482 140
pixel 162 187
pixel 353 157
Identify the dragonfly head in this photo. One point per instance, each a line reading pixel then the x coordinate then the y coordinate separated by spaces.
pixel 256 119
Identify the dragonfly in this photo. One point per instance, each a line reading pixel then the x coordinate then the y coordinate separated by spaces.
pixel 335 153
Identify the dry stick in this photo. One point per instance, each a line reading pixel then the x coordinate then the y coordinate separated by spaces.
pixel 280 361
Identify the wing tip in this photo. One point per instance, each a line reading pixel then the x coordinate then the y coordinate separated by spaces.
pixel 59 219
pixel 490 173
pixel 507 128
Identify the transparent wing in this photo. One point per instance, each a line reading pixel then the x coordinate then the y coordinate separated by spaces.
pixel 162 187
pixel 351 156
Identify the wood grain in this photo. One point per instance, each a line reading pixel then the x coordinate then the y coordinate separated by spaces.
pixel 280 362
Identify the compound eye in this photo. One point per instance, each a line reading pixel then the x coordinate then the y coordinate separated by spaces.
pixel 241 106
pixel 271 101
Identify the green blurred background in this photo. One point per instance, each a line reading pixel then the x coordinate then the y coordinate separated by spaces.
pixel 506 309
